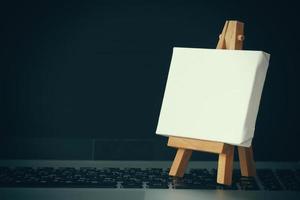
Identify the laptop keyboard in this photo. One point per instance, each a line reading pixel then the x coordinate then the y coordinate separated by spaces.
pixel 266 179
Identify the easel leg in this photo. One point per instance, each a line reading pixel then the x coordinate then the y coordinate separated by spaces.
pixel 180 162
pixel 247 163
pixel 225 165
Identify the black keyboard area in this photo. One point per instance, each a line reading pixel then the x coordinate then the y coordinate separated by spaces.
pixel 86 177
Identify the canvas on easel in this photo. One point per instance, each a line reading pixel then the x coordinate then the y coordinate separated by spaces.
pixel 211 102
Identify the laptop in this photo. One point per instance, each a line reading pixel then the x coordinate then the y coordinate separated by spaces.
pixel 67 176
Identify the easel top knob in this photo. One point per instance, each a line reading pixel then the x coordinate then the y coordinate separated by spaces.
pixel 232 36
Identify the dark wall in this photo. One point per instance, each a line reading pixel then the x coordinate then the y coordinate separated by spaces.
pixel 98 69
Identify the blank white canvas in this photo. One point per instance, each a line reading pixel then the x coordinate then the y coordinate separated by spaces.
pixel 213 94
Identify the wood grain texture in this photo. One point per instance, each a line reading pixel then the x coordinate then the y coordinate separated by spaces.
pixel 221 42
pixel 180 162
pixel 225 165
pixel 197 145
pixel 247 163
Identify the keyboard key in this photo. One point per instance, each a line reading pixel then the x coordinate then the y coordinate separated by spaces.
pixel 268 180
pixel 158 184
pixel 289 179
pixel 247 183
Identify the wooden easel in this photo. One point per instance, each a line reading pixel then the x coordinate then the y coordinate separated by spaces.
pixel 231 37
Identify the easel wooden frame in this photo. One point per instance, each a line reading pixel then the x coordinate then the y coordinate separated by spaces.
pixel 231 37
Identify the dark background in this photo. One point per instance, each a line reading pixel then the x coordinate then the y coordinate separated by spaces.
pixel 85 80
